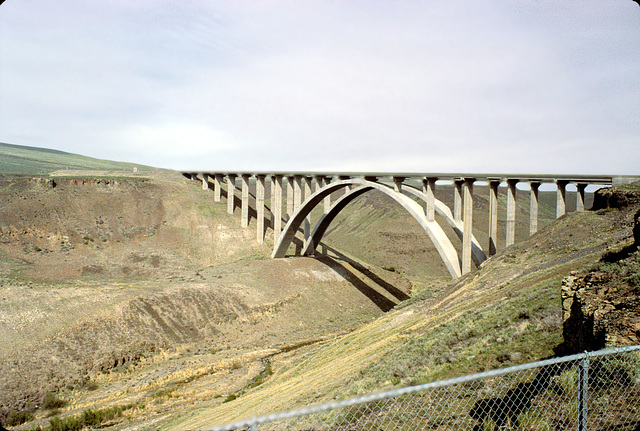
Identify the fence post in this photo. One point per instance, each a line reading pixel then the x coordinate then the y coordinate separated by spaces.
pixel 583 383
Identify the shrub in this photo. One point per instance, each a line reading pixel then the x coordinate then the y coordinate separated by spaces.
pixel 15 418
pixel 70 423
pixel 91 417
pixel 90 385
pixel 51 401
pixel 230 397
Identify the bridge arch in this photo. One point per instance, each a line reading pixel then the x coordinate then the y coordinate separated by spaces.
pixel 477 254
pixel 442 243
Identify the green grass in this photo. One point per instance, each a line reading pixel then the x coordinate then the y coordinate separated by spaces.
pixel 523 327
pixel 21 160
pixel 625 271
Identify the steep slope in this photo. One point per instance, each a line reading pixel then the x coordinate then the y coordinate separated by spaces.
pixel 506 313
pixel 141 292
pixel 114 287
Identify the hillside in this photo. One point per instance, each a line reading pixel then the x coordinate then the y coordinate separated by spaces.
pixel 105 277
pixel 508 312
pixel 141 293
pixel 21 160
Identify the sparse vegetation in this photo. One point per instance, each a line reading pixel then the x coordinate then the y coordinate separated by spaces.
pixel 168 300
pixel 52 401
pixel 520 328
pixel 266 372
pixel 89 418
pixel 625 270
pixel 15 418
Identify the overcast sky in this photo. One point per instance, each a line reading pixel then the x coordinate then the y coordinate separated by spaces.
pixel 343 85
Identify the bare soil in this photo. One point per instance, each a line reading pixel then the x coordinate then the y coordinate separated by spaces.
pixel 113 288
pixel 140 290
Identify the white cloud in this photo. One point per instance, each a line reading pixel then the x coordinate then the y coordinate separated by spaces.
pixel 533 86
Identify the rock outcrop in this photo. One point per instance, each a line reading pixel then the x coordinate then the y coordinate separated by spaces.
pixel 601 304
pixel 599 312
pixel 626 196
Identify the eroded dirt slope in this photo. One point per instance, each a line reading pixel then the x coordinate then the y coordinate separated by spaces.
pixel 114 288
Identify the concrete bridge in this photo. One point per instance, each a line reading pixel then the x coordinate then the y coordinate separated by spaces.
pixel 302 192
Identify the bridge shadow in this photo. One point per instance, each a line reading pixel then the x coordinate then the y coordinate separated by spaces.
pixel 337 262
pixel 397 293
pixel 381 301
pixel 382 293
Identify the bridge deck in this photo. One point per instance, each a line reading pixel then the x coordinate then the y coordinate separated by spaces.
pixel 299 187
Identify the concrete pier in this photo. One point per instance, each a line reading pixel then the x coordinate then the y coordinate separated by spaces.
pixel 217 187
pixel 533 207
pixel 327 199
pixel 297 192
pixel 561 200
pixel 307 221
pixel 493 216
pixel 276 205
pixel 511 211
pixel 429 188
pixel 290 206
pixel 205 182
pixel 245 201
pixel 397 184
pixel 260 180
pixel 467 233
pixel 457 199
pixel 231 193
pixel 580 196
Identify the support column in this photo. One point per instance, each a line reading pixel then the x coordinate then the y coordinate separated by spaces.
pixel 467 231
pixel 327 200
pixel 511 211
pixel 348 188
pixel 397 184
pixel 457 200
pixel 272 221
pixel 297 192
pixel 319 185
pixel 493 216
pixel 561 198
pixel 580 196
pixel 276 206
pixel 260 208
pixel 205 181
pixel 319 182
pixel 245 201
pixel 290 206
pixel 231 193
pixel 217 187
pixel 429 189
pixel 307 220
pixel 533 207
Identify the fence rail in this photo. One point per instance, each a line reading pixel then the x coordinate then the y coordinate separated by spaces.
pixel 588 391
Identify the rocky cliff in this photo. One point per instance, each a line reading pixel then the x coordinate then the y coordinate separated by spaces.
pixel 601 303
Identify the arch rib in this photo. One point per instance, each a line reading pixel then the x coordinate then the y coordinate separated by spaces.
pixel 477 254
pixel 432 228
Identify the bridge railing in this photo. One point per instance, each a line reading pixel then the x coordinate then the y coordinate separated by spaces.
pixel 589 391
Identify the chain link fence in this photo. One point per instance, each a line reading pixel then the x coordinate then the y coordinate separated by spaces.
pixel 588 391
